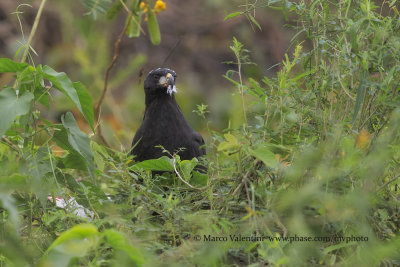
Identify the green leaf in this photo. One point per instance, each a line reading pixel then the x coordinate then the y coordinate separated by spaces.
pixel 265 155
pixel 78 232
pixel 187 167
pixel 338 246
pixel 114 10
pixel 76 143
pixel 362 89
pixel 301 75
pixel 199 178
pixel 230 143
pixel 61 81
pixel 134 26
pixel 74 91
pixel 86 102
pixel 96 6
pixel 152 26
pixel 231 80
pixel 252 19
pixel 118 242
pixel 12 106
pixel 232 15
pixel 8 202
pixel 80 192
pixel 78 140
pixel 7 65
pixel 161 164
pixel 71 161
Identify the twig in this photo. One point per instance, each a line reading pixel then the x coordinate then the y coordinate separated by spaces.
pixel 33 31
pixel 6 140
pixel 280 225
pixel 391 180
pixel 106 78
pixel 132 16
pixel 100 134
pixel 171 52
pixel 344 89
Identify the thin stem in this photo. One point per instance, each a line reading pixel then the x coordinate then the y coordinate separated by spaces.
pixel 132 16
pixel 109 67
pixel 241 91
pixel 106 78
pixel 33 31
pixel 183 180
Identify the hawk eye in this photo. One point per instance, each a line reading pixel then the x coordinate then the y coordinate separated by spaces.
pixel 156 76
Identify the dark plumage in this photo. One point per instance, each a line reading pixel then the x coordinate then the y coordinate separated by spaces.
pixel 163 122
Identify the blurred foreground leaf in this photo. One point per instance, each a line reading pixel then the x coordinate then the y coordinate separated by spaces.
pixel 12 106
pixel 162 164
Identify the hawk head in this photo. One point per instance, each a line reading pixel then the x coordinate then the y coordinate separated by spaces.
pixel 160 81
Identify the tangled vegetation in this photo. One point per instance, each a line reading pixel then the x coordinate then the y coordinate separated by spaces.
pixel 311 177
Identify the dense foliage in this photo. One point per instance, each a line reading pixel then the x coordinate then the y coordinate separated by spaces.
pixel 316 157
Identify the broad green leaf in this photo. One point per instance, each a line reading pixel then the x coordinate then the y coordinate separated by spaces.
pixel 118 242
pixel 61 81
pixel 74 91
pixel 7 65
pixel 152 26
pixel 39 166
pixel 86 103
pixel 60 136
pixel 76 143
pixel 72 161
pixel 98 159
pixel 187 167
pixel 12 106
pixel 78 232
pixel 78 140
pixel 161 164
pixel 232 15
pixel 230 143
pixel 199 178
pixel 134 25
pixel 265 155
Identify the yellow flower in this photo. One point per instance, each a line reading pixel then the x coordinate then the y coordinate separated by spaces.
pixel 143 5
pixel 363 139
pixel 159 6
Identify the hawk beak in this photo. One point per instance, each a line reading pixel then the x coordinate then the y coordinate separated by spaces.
pixel 167 80
pixel 170 79
pixel 170 83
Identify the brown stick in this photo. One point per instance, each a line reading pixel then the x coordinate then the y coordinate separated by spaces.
pixel 6 140
pixel 106 78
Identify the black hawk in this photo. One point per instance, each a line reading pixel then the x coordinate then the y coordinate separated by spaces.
pixel 163 122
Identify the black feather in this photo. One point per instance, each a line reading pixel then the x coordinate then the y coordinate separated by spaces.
pixel 163 123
